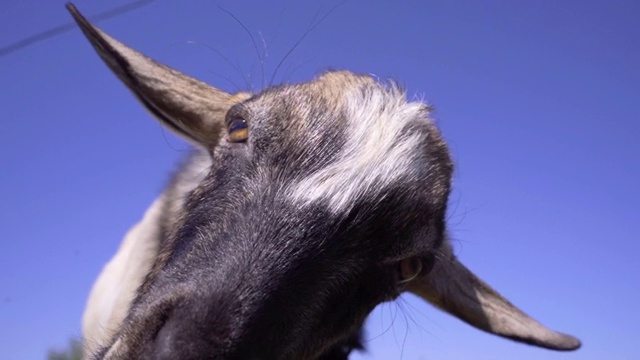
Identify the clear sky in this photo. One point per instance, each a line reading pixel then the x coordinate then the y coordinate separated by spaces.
pixel 539 101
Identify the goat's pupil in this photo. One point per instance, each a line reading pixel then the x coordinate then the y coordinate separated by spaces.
pixel 237 124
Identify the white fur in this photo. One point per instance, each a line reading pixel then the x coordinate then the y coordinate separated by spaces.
pixel 374 154
pixel 114 290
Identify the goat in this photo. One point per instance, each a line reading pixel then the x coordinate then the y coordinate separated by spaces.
pixel 301 208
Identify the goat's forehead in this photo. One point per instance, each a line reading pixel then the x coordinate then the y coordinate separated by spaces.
pixel 337 86
pixel 365 133
pixel 331 91
pixel 336 98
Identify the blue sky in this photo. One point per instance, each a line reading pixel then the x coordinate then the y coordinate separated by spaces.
pixel 539 101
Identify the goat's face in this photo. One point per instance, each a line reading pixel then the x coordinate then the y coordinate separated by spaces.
pixel 297 232
pixel 323 200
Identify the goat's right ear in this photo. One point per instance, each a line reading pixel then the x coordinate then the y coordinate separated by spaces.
pixel 453 288
pixel 187 106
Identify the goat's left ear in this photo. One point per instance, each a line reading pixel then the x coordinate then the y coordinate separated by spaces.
pixel 185 105
pixel 453 288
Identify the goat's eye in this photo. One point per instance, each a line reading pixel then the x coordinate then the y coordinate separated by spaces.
pixel 238 130
pixel 409 269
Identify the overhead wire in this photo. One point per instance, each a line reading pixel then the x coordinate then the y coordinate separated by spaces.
pixel 48 34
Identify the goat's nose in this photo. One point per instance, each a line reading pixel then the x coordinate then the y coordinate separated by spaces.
pixel 198 329
pixel 180 338
pixel 184 341
pixel 222 334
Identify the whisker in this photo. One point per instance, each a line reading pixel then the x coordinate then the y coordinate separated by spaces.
pixel 253 41
pixel 306 33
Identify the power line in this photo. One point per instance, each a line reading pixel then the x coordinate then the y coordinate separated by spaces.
pixel 11 48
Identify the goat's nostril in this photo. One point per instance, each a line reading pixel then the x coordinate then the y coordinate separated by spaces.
pixel 165 340
pixel 193 325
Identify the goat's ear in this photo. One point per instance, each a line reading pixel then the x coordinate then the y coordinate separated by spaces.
pixel 453 288
pixel 187 106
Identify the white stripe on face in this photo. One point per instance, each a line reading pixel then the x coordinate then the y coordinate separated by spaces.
pixel 376 152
